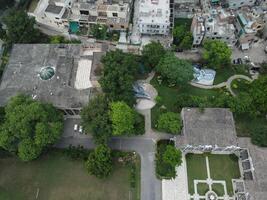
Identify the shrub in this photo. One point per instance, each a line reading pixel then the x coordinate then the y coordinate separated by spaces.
pixel 170 122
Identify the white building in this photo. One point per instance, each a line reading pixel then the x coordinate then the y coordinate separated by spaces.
pixel 219 25
pixel 198 30
pixel 60 15
pixel 235 4
pixel 154 17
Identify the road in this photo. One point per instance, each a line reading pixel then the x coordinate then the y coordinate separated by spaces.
pixel 144 145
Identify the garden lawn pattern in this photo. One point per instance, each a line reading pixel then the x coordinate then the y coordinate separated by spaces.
pixel 222 169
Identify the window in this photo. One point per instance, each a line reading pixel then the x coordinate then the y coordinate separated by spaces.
pixel 111 25
pixel 115 14
pixel 84 12
pixel 122 26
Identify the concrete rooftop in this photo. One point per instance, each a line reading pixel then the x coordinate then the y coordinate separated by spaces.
pixel 22 74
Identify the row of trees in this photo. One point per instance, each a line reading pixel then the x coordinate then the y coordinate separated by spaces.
pixel 111 113
pixel 29 127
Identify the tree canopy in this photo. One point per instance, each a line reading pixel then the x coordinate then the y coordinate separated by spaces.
pixel 170 122
pixel 216 53
pixel 99 31
pixel 29 127
pixel 172 156
pixel 99 162
pixel 182 38
pixel 118 76
pixel 6 3
pixel 174 70
pixel 122 118
pixel 152 53
pixel 20 28
pixel 95 119
pixel 259 136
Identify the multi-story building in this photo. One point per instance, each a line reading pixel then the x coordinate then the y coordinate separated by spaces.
pixel 219 25
pixel 198 30
pixel 186 8
pixel 248 22
pixel 154 17
pixel 65 15
pixel 235 4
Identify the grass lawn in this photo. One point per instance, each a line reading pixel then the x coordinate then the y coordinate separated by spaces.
pixel 202 188
pixel 196 169
pixel 224 73
pixel 169 96
pixel 224 167
pixel 246 124
pixel 218 189
pixel 58 177
pixel 240 85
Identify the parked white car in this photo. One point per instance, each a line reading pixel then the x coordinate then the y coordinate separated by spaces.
pixel 81 129
pixel 75 127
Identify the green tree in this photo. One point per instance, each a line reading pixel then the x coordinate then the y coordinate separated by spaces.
pixel 99 31
pixel 172 156
pixel 259 136
pixel 118 76
pixel 29 127
pixel 20 28
pixel 187 41
pixel 258 92
pixel 174 70
pixel 99 162
pixel 122 118
pixel 95 119
pixel 6 3
pixel 179 34
pixel 170 122
pixel 216 53
pixel 152 53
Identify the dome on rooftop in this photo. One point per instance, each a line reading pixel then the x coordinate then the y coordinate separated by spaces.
pixel 47 73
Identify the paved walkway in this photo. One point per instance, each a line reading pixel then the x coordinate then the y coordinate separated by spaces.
pixel 176 189
pixel 226 84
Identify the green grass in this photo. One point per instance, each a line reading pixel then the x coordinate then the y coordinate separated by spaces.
pixel 58 177
pixel 224 167
pixel 240 85
pixel 218 188
pixel 196 169
pixel 224 73
pixel 183 21
pixel 169 96
pixel 246 124
pixel 202 188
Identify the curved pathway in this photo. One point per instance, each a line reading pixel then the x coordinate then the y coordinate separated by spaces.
pixel 226 84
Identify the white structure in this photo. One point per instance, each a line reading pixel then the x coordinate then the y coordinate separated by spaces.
pixel 154 17
pixel 219 26
pixel 57 14
pixel 198 30
pixel 235 4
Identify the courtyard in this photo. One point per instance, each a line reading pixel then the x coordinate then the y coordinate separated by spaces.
pixel 55 176
pixel 211 172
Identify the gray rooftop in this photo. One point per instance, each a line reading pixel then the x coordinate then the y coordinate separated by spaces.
pixel 27 60
pixel 53 9
pixel 213 126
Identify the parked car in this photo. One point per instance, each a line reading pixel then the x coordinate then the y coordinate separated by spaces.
pixel 81 129
pixel 75 127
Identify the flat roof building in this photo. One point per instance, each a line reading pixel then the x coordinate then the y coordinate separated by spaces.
pixel 58 74
pixel 154 17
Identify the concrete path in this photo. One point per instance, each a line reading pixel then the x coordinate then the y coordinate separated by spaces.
pixel 226 84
